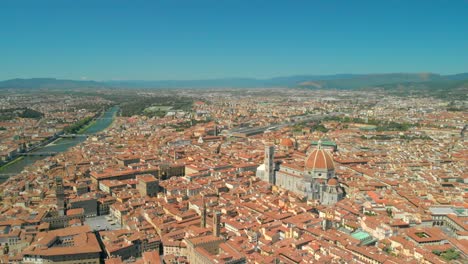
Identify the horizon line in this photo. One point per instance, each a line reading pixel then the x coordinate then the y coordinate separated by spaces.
pixel 225 78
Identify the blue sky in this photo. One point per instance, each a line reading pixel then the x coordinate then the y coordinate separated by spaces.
pixel 198 39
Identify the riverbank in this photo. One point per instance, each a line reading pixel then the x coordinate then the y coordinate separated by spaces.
pixel 11 162
pixel 58 144
pixel 87 122
pixel 18 156
pixel 86 127
pixel 77 126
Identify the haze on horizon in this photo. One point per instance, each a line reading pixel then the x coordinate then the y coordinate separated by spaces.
pixel 206 39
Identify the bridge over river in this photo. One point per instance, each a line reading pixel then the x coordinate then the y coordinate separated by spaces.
pixel 60 145
pixel 6 175
pixel 50 153
pixel 74 135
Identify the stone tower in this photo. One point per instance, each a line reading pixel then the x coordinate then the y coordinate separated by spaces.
pixel 217 224
pixel 269 164
pixel 60 195
pixel 203 214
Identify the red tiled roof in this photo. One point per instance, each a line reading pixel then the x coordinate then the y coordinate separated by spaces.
pixel 319 159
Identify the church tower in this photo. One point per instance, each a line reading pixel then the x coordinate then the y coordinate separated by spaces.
pixel 203 214
pixel 217 224
pixel 60 195
pixel 269 164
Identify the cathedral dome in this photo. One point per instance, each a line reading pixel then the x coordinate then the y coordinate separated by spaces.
pixel 332 182
pixel 286 142
pixel 319 159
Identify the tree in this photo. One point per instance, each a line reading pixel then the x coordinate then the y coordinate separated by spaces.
pixel 389 212
pixel 30 113
pixel 450 254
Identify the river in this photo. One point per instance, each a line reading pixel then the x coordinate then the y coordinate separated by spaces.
pixel 62 144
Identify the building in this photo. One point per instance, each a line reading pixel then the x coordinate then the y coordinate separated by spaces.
pixel 217 224
pixel 203 214
pixel 315 179
pixel 56 221
pixel 287 144
pixel 128 243
pixel 266 171
pixel 326 145
pixel 89 204
pixel 72 245
pixel 147 185
pixel 60 195
pixel 125 160
pixel 212 249
pixel 167 171
pixel 426 236
pixel 97 177
pixel 269 164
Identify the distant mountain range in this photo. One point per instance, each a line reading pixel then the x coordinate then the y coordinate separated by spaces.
pixel 48 83
pixel 337 81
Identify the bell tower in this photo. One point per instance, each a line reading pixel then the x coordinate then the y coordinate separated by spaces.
pixel 217 224
pixel 60 195
pixel 203 214
pixel 269 164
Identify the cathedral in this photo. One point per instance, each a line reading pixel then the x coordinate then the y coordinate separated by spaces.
pixel 314 179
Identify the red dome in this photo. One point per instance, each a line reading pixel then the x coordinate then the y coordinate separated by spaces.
pixel 332 182
pixel 319 159
pixel 287 142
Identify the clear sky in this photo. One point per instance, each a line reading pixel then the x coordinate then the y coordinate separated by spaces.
pixel 198 39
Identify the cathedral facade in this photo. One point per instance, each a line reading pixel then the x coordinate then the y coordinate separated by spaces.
pixel 314 179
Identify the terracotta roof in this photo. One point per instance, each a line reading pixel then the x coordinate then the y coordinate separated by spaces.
pixel 319 159
pixel 83 242
pixel 287 142
pixel 332 182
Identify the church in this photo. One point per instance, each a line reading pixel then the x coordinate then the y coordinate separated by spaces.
pixel 315 178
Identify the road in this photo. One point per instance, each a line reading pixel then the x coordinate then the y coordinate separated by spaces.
pixel 277 126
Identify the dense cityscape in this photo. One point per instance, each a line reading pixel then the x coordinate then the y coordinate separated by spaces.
pixel 239 176
pixel 233 132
